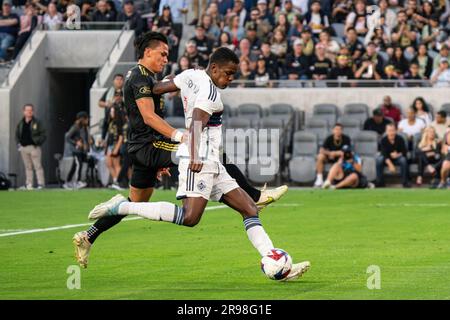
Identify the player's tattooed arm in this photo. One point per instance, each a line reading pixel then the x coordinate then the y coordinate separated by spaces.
pixel 199 120
pixel 164 86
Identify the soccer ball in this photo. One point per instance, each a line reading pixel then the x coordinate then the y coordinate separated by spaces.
pixel 276 264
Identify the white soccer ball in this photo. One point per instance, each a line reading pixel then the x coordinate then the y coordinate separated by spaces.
pixel 276 264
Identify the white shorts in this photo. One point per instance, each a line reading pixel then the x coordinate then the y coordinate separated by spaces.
pixel 210 183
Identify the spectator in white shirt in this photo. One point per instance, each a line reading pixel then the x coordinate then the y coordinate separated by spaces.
pixel 411 126
pixel 441 76
pixel 53 19
pixel 422 110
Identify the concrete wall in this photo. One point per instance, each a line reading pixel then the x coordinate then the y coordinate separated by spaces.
pixel 305 99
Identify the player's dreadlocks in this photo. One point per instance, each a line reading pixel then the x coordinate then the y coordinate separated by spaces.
pixel 148 40
pixel 223 55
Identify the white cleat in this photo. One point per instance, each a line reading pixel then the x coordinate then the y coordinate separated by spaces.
pixel 297 270
pixel 318 183
pixel 108 208
pixel 269 196
pixel 326 185
pixel 82 248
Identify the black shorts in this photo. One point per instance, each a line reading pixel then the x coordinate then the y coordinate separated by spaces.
pixel 362 180
pixel 148 160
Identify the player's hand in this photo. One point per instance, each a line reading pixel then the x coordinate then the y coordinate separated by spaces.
pixel 185 137
pixel 163 172
pixel 195 165
pixel 391 168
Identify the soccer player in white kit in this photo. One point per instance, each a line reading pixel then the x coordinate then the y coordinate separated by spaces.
pixel 202 176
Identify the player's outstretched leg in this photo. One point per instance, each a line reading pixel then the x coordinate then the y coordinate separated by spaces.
pixel 241 202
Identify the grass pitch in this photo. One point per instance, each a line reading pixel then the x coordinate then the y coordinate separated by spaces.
pixel 403 232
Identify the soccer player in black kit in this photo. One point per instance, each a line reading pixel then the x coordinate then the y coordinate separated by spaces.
pixel 152 140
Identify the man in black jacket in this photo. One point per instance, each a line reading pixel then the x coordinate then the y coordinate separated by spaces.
pixel 30 135
pixel 393 153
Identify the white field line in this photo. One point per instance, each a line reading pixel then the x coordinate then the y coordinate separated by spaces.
pixel 70 226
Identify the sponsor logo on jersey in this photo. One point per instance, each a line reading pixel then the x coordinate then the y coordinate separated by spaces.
pixel 145 90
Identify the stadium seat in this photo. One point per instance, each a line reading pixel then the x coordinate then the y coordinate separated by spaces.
pixel 176 122
pixel 251 111
pixel 369 168
pixel 264 161
pixel 281 110
pixel 366 146
pixel 236 149
pixel 319 127
pixel 227 111
pixel 351 126
pixel 238 123
pixel 358 111
pixel 327 111
pixel 302 164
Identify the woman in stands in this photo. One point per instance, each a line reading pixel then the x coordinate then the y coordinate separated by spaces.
pixel 114 140
pixel 424 61
pixel 422 110
pixel 429 155
pixel 224 40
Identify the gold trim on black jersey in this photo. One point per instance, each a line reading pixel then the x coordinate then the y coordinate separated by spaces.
pixel 165 145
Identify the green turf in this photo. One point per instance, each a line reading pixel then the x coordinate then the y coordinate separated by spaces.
pixel 404 232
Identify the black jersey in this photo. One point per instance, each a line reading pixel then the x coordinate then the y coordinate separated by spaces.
pixel 139 84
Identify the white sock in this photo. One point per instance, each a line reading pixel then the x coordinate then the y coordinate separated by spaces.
pixel 257 235
pixel 320 176
pixel 158 211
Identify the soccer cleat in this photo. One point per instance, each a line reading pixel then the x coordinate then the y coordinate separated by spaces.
pixel 269 196
pixel 318 183
pixel 297 270
pixel 82 248
pixel 326 185
pixel 108 208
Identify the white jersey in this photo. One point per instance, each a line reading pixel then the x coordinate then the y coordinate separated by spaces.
pixel 198 91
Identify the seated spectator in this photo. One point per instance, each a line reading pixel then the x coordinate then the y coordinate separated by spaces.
pixel 358 18
pixel 444 54
pixel 224 40
pixel 212 30
pixel 330 152
pixel 132 17
pixel 411 126
pixel 184 63
pixel 297 64
pixel 342 71
pixel 52 18
pixel 320 66
pixel 289 11
pixel 235 30
pixel 194 56
pixel 244 51
pixel 393 153
pixel 385 13
pixel 77 144
pixel 428 155
pixel 445 170
pixel 404 34
pixel 399 62
pixel 101 14
pixel 424 61
pixel 240 11
pixel 441 124
pixel 422 110
pixel 279 45
pixel 271 60
pixel 381 35
pixel 391 111
pixel 346 172
pixel 28 22
pixel 295 29
pixel 431 32
pixel 263 26
pixel 377 123
pixel 216 16
pixel 389 74
pixel 251 35
pixel 413 75
pixel 114 140
pixel 340 10
pixel 370 66
pixel 204 44
pixel 308 43
pixel 264 12
pixel 261 74
pixel 9 25
pixel 244 73
pixel 441 76
pixel 331 46
pixel 351 41
pixel 177 8
pixel 282 23
pixel 316 19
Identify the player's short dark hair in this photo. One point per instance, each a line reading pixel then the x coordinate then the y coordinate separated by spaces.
pixel 223 55
pixel 148 40
pixel 442 113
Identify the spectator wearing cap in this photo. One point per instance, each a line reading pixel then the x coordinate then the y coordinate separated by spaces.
pixel 52 18
pixel 235 30
pixel 444 53
pixel 404 34
pixel 441 124
pixel 131 16
pixel 261 74
pixel 77 146
pixel 28 21
pixel 9 25
pixel 351 41
pixel 377 122
pixel 194 56
pixel 424 61
pixel 271 59
pixel 297 64
pixel 288 11
pixel 342 71
pixel 320 65
pixel 102 14
pixel 370 66
pixel 358 18
pixel 390 110
pixel 308 42
pixel 264 12
pixel 251 35
pixel 177 7
pixel 441 76
pixel 393 153
pixel 30 135
pixel 316 19
pixel 278 45
pixel 203 43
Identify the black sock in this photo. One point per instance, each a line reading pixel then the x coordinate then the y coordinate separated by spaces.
pixel 242 181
